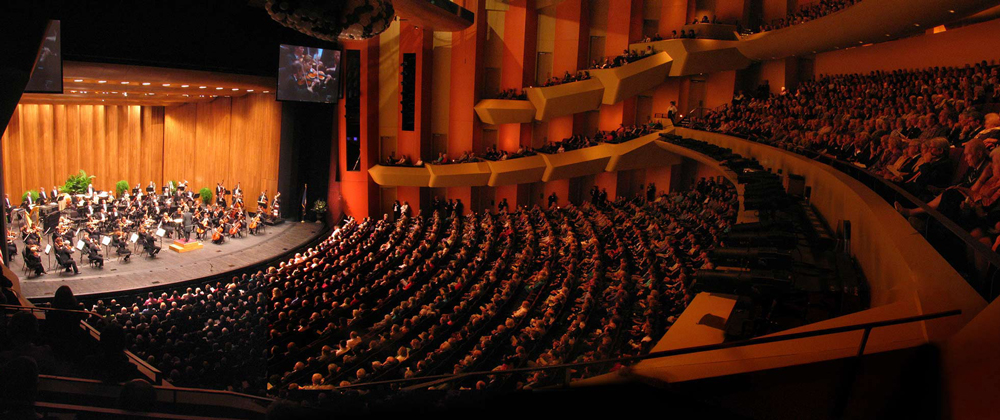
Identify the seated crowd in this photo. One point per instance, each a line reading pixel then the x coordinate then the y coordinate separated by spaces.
pixel 808 12
pixel 578 141
pixel 446 293
pixel 622 134
pixel 567 77
pixel 923 130
pixel 628 56
pixel 513 94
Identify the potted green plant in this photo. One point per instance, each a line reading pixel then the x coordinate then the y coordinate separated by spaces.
pixel 77 184
pixel 206 195
pixel 121 187
pixel 319 209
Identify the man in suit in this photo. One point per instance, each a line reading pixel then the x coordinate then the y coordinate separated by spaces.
pixel 42 197
pixel 187 222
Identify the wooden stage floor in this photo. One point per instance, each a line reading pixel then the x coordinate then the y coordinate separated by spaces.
pixel 168 267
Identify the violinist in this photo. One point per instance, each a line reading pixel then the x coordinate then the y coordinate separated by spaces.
pixel 6 207
pixel 64 256
pixel 120 241
pixel 94 251
pixel 33 260
pixel 149 243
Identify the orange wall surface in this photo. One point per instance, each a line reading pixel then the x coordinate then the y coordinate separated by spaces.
pixel 44 144
pixel 955 47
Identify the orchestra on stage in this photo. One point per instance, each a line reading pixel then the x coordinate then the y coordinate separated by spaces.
pixel 135 221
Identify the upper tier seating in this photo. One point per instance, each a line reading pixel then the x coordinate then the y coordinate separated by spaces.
pixel 924 130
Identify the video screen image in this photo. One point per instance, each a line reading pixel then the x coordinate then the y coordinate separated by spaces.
pixel 308 74
pixel 47 75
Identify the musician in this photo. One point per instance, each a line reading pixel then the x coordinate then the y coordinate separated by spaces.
pixel 11 246
pixel 28 202
pixel 276 206
pixel 33 260
pixel 262 201
pixel 42 197
pixel 220 195
pixel 94 251
pixel 64 256
pixel 151 189
pixel 7 207
pixel 55 193
pixel 182 186
pixel 120 241
pixel 149 243
pixel 187 222
pixel 30 235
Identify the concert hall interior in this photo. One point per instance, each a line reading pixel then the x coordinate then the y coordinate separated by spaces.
pixel 529 208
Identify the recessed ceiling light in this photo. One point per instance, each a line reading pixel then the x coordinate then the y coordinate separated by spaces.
pixel 235 89
pixel 124 83
pixel 145 83
pixel 184 85
pixel 78 80
pixel 72 91
pixel 185 95
pixel 916 24
pixel 114 93
pixel 951 11
pixel 166 85
pixel 202 87
pixel 218 88
pixel 267 91
pixel 249 90
pixel 102 81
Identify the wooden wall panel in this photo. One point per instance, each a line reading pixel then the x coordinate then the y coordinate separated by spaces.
pixel 236 140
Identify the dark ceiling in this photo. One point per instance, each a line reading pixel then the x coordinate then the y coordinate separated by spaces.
pixel 233 36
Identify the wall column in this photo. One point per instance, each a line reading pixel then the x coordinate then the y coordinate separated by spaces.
pixel 517 71
pixel 416 143
pixel 465 131
pixel 572 38
pixel 360 193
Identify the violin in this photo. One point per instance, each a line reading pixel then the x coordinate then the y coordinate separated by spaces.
pixel 255 221
pixel 217 234
pixel 235 228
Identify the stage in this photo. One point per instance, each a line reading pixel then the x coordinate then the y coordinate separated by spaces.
pixel 168 267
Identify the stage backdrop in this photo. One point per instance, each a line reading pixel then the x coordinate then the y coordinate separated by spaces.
pixel 228 139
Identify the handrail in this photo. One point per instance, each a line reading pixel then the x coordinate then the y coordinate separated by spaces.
pixel 173 390
pixel 48 309
pixel 47 407
pixel 982 250
pixel 866 327
pixel 153 374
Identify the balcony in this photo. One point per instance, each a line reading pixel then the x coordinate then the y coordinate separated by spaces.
pixel 566 99
pixel 643 152
pixel 580 162
pixel 476 174
pixel 516 171
pixel 505 111
pixel 400 176
pixel 624 82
